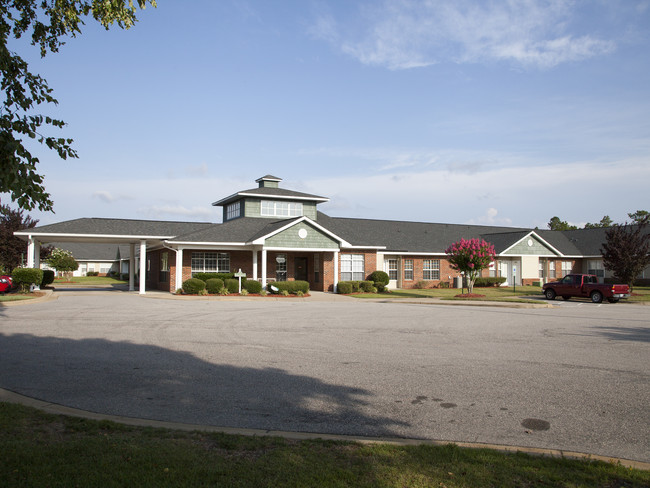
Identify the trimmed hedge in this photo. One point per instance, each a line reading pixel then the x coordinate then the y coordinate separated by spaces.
pixel 482 282
pixel 356 287
pixel 208 276
pixel 232 285
pixel 290 286
pixel 24 277
pixel 252 286
pixel 214 285
pixel 193 286
pixel 380 279
pixel 48 277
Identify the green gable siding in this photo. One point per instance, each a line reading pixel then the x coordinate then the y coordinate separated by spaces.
pixel 289 238
pixel 252 207
pixel 309 210
pixel 523 249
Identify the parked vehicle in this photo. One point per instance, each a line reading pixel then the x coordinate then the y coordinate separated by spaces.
pixel 6 284
pixel 585 286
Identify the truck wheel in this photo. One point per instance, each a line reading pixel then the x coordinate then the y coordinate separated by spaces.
pixel 566 297
pixel 550 294
pixel 612 300
pixel 596 297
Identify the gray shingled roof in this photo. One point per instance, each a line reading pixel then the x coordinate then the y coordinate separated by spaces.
pixel 119 227
pixel 244 229
pixel 85 251
pixel 278 192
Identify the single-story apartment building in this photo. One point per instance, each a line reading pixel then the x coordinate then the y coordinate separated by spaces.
pixel 272 233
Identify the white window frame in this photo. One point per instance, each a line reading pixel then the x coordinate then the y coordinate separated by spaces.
pixel 393 269
pixel 596 267
pixel 233 210
pixel 210 262
pixel 551 269
pixel 273 208
pixel 352 267
pixel 408 270
pixel 430 269
pixel 567 267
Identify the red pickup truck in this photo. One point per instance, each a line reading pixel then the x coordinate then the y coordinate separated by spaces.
pixel 585 286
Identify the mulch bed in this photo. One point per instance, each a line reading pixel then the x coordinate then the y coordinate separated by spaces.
pixel 469 295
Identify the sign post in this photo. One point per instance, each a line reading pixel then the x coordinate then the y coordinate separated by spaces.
pixel 239 275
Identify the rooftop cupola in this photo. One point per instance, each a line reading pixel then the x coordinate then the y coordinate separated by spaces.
pixel 268 181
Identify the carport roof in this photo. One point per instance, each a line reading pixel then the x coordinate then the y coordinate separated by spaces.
pixel 110 230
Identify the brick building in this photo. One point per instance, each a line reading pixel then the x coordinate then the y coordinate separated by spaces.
pixel 272 233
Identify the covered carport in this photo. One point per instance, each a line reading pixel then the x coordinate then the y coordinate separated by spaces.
pixel 140 235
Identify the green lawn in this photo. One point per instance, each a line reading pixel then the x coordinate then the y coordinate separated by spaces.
pixel 502 293
pixel 491 293
pixel 89 280
pixel 14 297
pixel 38 449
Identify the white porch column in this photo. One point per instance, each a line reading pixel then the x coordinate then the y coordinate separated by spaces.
pixel 31 247
pixel 37 254
pixel 336 270
pixel 143 266
pixel 179 268
pixel 132 267
pixel 255 264
pixel 264 268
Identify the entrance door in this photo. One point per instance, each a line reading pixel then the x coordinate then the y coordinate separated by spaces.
pixel 300 269
pixel 392 268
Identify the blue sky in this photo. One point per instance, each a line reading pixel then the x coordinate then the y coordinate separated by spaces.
pixel 483 112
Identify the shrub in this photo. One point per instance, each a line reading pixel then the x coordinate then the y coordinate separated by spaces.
pixel 344 287
pixel 24 277
pixel 300 294
pixel 232 285
pixel 284 293
pixel 379 277
pixel 444 284
pixel 421 285
pixel 367 286
pixel 203 292
pixel 213 285
pixel 243 292
pixel 263 293
pixel 489 281
pixel 252 286
pixel 193 286
pixel 208 276
pixel 48 277
pixel 291 286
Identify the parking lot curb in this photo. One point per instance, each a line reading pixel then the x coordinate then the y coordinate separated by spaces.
pixel 56 409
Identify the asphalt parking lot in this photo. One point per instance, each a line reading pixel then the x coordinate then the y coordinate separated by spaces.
pixel 574 377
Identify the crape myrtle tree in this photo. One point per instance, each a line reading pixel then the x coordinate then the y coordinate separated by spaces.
pixel 62 261
pixel 626 251
pixel 46 23
pixel 470 256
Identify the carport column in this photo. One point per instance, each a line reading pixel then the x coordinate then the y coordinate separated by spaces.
pixel 31 247
pixel 336 271
pixel 179 268
pixel 37 254
pixel 264 268
pixel 255 264
pixel 132 267
pixel 143 266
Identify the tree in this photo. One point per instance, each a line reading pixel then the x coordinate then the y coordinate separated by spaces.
pixel 604 222
pixel 62 261
pixel 12 248
pixel 638 216
pixel 46 22
pixel 626 251
pixel 471 257
pixel 556 224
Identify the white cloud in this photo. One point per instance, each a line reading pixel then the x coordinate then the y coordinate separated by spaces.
pixel 416 33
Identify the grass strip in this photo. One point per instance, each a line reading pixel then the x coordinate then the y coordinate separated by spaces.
pixel 39 449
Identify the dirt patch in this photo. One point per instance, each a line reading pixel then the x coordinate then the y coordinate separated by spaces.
pixel 469 295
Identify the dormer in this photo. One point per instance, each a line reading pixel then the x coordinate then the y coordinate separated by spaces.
pixel 270 201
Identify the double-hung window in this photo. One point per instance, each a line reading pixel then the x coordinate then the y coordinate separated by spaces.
pixel 408 269
pixel 210 262
pixel 164 267
pixel 392 269
pixel 596 268
pixel 551 269
pixel 566 268
pixel 352 267
pixel 271 208
pixel 431 269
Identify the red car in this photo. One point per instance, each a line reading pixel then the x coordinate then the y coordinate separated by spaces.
pixel 5 284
